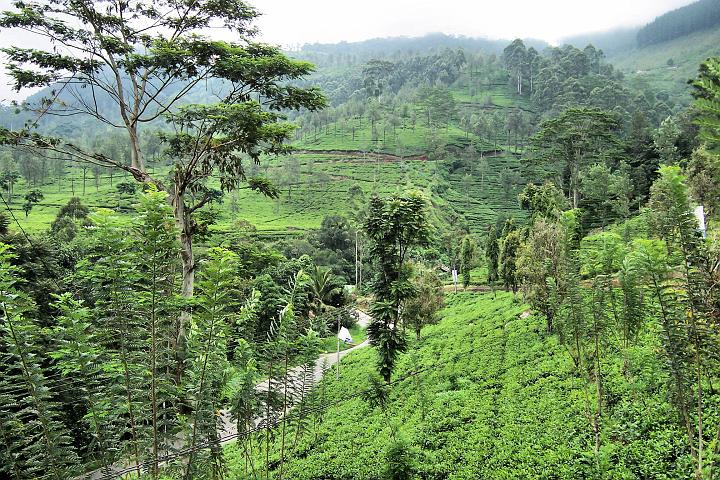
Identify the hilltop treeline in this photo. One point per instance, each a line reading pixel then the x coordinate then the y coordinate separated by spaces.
pixel 683 21
pixel 394 48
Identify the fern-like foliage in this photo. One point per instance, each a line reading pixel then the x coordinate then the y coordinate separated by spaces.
pixel 79 356
pixel 691 333
pixel 110 275
pixel 707 99
pixel 208 367
pixel 35 440
pixel 158 307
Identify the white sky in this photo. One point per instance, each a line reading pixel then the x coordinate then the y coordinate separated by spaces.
pixel 289 22
pixel 295 22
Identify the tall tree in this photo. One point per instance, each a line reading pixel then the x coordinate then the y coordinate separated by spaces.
pixel 468 254
pixel 146 61
pixel 691 332
pixel 492 252
pixel 36 444
pixel 429 298
pixel 578 137
pixel 394 227
pixel 515 58
pixel 508 255
pixel 208 363
pixel 707 99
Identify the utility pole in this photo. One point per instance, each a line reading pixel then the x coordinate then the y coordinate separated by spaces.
pixel 337 370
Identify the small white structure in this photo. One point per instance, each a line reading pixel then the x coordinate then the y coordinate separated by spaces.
pixel 700 215
pixel 344 335
pixel 455 278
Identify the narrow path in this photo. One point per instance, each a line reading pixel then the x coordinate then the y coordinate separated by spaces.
pixel 230 428
pixel 322 365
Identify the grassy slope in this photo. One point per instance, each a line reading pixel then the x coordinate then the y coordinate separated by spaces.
pixel 500 399
pixel 650 63
pixel 325 178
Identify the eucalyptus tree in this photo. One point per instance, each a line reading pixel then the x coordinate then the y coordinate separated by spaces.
pixel 515 59
pixel 492 252
pixel 422 309
pixel 31 198
pixel 394 226
pixel 509 243
pixel 8 179
pixel 147 61
pixel 468 258
pixel 376 74
pixel 578 137
pixel 540 264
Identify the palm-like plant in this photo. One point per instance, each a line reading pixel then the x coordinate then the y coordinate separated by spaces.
pixel 323 285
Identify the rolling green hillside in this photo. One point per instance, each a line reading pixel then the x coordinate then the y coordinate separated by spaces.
pixel 486 394
pixel 650 64
pixel 318 179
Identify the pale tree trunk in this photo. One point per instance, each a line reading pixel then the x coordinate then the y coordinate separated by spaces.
pixel 185 236
pixel 137 160
pixel 575 181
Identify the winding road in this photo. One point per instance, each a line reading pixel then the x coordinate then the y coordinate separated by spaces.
pixel 229 428
pixel 322 365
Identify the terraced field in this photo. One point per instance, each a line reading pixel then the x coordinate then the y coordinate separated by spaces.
pixel 333 172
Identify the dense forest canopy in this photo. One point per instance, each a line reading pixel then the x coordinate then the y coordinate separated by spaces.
pixel 353 53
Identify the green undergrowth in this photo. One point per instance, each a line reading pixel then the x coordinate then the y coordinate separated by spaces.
pixel 484 394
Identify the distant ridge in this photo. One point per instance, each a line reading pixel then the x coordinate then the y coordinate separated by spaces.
pixel 609 41
pixel 389 46
pixel 698 16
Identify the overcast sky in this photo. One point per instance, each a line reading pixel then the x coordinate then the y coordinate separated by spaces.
pixel 289 22
pixel 294 22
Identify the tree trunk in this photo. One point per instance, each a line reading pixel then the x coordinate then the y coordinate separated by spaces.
pixel 574 180
pixel 136 157
pixel 185 234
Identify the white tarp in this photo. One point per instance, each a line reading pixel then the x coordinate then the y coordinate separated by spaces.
pixel 344 335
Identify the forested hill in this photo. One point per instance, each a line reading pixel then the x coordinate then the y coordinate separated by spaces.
pixel 609 41
pixel 668 66
pixel 453 122
pixel 695 17
pixel 350 53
